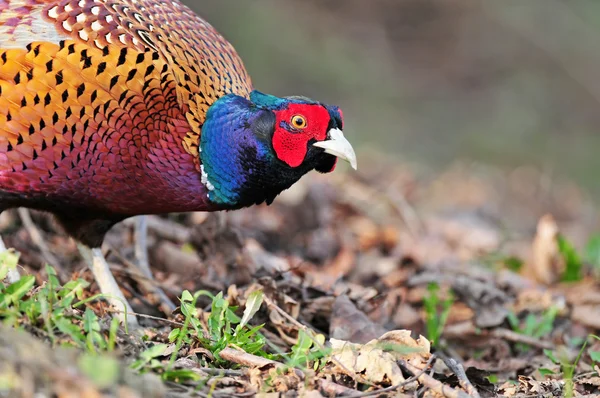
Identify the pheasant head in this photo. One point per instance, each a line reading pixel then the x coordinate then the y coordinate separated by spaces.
pixel 253 149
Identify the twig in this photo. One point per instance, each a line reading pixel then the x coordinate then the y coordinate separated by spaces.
pixel 165 229
pixel 433 384
pixel 141 245
pixel 584 375
pixel 409 215
pixel 156 318
pixel 133 273
pixel 515 337
pixel 38 240
pixel 460 373
pixel 460 330
pixel 186 391
pixel 147 281
pixel 334 389
pixel 221 372
pixel 395 387
pixel 243 358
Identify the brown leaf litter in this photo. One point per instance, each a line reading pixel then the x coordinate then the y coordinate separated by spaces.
pixel 350 257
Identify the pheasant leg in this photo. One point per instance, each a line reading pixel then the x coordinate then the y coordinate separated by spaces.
pixel 141 255
pixel 107 283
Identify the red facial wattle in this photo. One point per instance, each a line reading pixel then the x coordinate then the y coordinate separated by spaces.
pixel 291 144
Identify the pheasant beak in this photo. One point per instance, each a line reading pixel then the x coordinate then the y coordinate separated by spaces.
pixel 338 146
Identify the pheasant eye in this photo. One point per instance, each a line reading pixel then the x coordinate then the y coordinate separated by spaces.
pixel 299 122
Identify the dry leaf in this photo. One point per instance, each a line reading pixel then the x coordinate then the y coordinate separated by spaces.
pixel 367 232
pixel 419 349
pixel 544 264
pixel 588 315
pixel 376 365
pixel 376 360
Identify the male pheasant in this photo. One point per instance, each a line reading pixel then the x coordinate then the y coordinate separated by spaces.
pixel 116 108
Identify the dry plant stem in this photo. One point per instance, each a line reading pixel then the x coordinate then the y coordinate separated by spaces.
pixel 141 245
pixel 515 337
pixel 183 391
pixel 334 389
pixel 128 268
pixel 393 388
pixel 287 316
pixel 250 360
pixel 221 372
pixel 154 318
pixel 463 329
pixel 433 384
pixel 409 215
pixel 13 274
pixel 173 260
pixel 148 282
pixel 38 240
pixel 106 281
pixel 165 229
pixel 459 371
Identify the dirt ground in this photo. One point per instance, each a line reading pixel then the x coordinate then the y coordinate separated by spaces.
pixel 352 260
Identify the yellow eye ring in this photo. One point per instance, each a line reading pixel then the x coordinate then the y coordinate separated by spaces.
pixel 298 122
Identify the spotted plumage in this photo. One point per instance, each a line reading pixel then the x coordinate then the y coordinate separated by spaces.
pixel 103 104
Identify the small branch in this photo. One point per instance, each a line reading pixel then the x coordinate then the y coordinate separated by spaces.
pixel 334 389
pixel 433 384
pixel 165 229
pixel 250 360
pixel 515 337
pixel 393 388
pixel 459 371
pixel 221 372
pixel 141 245
pixel 414 224
pixel 148 282
pixel 38 240
pixel 155 318
pixel 463 329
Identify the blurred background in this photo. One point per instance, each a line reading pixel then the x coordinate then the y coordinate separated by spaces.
pixel 506 83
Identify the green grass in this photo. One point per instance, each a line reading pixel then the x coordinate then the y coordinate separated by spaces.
pixel 436 313
pixel 573 264
pixel 61 315
pixel 568 367
pixel 52 309
pixel 534 325
pixel 223 329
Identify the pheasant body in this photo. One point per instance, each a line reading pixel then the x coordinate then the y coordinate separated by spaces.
pixel 103 104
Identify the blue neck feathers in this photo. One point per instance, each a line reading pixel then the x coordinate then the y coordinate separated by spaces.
pixel 230 150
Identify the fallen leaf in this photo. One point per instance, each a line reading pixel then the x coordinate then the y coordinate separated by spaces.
pixel 376 361
pixel 588 315
pixel 373 363
pixel 417 349
pixel 544 264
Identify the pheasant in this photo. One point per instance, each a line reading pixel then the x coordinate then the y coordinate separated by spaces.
pixel 116 108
